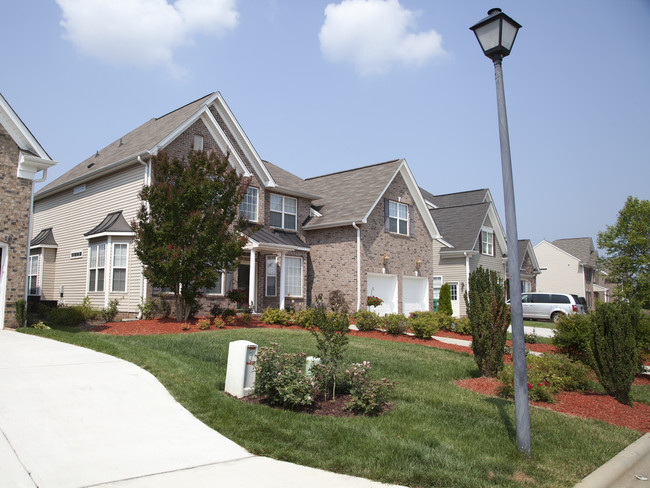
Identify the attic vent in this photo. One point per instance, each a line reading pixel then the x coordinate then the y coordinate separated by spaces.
pixel 76 254
pixel 91 165
pixel 78 189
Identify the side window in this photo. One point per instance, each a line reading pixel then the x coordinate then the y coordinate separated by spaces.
pixel 96 266
pixel 33 275
pixel 271 276
pixel 283 212
pixel 119 267
pixel 437 283
pixel 248 206
pixel 524 298
pixel 217 289
pixel 560 299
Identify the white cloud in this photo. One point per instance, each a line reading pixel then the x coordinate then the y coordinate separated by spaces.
pixel 143 33
pixel 375 35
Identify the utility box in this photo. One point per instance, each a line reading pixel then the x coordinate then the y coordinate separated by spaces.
pixel 240 372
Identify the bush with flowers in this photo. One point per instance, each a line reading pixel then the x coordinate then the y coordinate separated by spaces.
pixel 547 376
pixel 373 301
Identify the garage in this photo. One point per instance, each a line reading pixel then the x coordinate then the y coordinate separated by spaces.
pixel 415 294
pixel 384 287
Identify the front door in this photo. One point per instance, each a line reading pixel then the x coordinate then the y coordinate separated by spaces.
pixel 455 304
pixel 243 278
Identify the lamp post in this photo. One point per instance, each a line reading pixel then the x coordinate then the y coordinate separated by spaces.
pixel 496 34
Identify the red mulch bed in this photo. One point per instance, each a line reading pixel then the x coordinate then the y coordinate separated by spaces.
pixel 585 405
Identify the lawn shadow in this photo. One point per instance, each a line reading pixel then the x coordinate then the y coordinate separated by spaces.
pixel 501 405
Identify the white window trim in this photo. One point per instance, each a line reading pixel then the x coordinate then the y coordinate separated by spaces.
pixel 266 276
pixel 197 144
pixel 257 203
pixel 90 246
pixel 283 212
pixel 286 276
pixel 125 268
pixel 433 286
pixel 37 288
pixel 398 218
pixel 76 254
pixel 489 232
pixel 219 293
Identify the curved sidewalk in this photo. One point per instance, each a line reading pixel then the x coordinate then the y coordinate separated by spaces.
pixel 71 418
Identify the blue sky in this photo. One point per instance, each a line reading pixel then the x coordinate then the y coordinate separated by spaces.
pixel 324 86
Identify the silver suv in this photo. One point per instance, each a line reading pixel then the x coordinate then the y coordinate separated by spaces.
pixel 550 306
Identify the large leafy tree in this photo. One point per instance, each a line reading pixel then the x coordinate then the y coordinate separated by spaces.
pixel 627 244
pixel 188 229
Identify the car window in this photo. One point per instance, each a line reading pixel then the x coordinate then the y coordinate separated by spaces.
pixel 560 299
pixel 524 298
pixel 541 298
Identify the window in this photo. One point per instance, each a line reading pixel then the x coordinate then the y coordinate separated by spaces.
pixel 33 275
pixel 248 206
pixel 525 286
pixel 76 254
pixel 437 283
pixel 487 242
pixel 398 218
pixel 292 266
pixel 78 189
pixel 217 289
pixel 119 267
pixel 271 276
pixel 96 265
pixel 453 291
pixel 283 212
pixel 198 143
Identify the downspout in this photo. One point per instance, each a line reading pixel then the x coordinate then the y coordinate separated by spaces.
pixel 29 236
pixel 466 280
pixel 143 280
pixel 354 226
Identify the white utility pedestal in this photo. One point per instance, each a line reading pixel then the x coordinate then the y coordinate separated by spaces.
pixel 240 373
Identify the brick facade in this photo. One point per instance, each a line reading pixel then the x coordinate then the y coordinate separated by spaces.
pixel 15 200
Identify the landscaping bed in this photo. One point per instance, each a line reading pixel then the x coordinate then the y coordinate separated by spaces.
pixel 585 405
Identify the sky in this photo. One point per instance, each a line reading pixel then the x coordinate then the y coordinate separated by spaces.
pixel 326 86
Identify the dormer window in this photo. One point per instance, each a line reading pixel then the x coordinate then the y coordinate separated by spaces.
pixel 284 212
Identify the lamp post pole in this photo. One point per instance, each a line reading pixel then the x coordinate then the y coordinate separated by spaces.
pixel 522 418
pixel 496 34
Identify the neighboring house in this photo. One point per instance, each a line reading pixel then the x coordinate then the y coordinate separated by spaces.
pixel 21 158
pixel 359 231
pixel 471 236
pixel 528 266
pixel 568 266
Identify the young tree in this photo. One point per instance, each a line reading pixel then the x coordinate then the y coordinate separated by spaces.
pixel 444 302
pixel 627 244
pixel 489 317
pixel 188 230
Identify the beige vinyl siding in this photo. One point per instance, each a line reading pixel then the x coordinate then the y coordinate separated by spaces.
pixel 48 273
pixel 452 270
pixel 71 215
pixel 563 273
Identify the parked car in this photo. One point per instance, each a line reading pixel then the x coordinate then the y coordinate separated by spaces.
pixel 550 306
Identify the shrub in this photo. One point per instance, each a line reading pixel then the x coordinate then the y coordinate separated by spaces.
pixel 548 375
pixel 86 308
pixel 281 380
pixel 228 313
pixel 165 308
pixel 275 316
pixel 370 398
pixel 40 325
pixel 149 308
pixel 444 301
pixel 238 297
pixel 489 316
pixel 246 318
pixel 530 338
pixel 612 350
pixel 337 301
pixel 366 320
pixel 66 316
pixel 395 323
pixel 219 323
pixel 109 313
pixel 462 326
pixel 216 310
pixel 21 312
pixel 304 318
pixel 203 324
pixel 571 336
pixel 424 324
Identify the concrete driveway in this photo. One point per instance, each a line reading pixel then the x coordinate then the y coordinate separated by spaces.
pixel 71 417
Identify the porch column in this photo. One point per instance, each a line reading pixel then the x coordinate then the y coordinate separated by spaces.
pixel 282 281
pixel 252 295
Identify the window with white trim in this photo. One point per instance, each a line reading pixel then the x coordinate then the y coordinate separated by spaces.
pixel 437 284
pixel 217 289
pixel 198 143
pixel 398 218
pixel 119 267
pixel 292 267
pixel 283 212
pixel 248 206
pixel 271 276
pixel 96 266
pixel 453 291
pixel 487 242
pixel 32 278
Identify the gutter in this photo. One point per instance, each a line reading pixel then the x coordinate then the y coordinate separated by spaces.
pixel 354 225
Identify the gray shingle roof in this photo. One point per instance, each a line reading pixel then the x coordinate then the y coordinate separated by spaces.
pixel 136 142
pixel 460 226
pixel 44 238
pixel 113 222
pixel 455 199
pixel 580 247
pixel 349 195
pixel 283 177
pixel 277 237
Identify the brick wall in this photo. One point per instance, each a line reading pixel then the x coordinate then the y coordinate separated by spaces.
pixel 15 196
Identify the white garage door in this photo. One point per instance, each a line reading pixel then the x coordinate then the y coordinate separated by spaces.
pixel 384 287
pixel 415 294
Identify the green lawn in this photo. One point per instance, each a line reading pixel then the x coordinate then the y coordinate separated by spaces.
pixel 436 435
pixel 540 324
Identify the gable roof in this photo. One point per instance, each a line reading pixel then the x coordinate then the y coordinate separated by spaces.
pixel 155 134
pixel 526 247
pixel 287 182
pixel 581 248
pixel 457 199
pixel 460 226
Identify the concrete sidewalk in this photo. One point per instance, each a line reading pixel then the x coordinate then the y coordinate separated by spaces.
pixel 71 417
